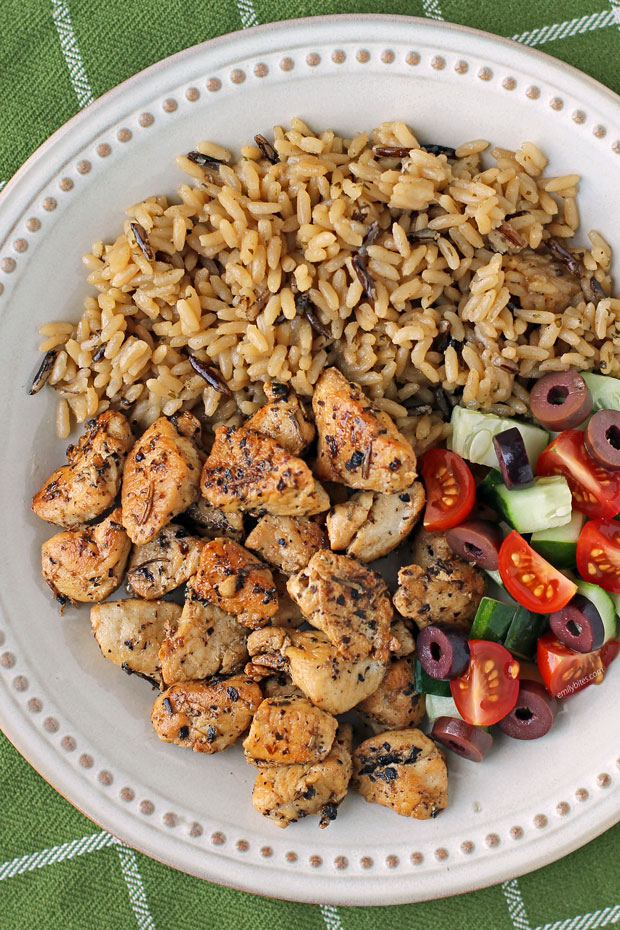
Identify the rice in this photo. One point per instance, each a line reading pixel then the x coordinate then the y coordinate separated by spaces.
pixel 413 271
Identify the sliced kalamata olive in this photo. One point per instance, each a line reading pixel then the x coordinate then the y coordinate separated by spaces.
pixel 514 463
pixel 443 650
pixel 476 541
pixel 578 625
pixel 533 714
pixel 602 438
pixel 561 400
pixel 467 740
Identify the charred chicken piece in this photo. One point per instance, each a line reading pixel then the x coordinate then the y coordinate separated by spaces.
pixel 283 418
pixel 130 633
pixel 395 704
pixel 287 542
pixel 359 444
pixel 86 564
pixel 439 586
pixel 404 770
pixel 161 477
pixel 206 642
pixel 211 522
pixel 288 730
pixel 206 716
pixel 331 682
pixel 287 793
pixel 369 524
pixel 540 281
pixel 235 581
pixel 348 601
pixel 248 471
pixel 87 486
pixel 164 563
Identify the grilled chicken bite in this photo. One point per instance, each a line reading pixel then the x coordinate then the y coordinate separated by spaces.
pixel 248 471
pixel 540 282
pixel 395 704
pixel 83 489
pixel 288 614
pixel 130 632
pixel 402 642
pixel 283 418
pixel 286 793
pixel 233 579
pixel 348 601
pixel 404 770
pixel 86 564
pixel 164 563
pixel 287 542
pixel 206 716
pixel 369 524
pixel 206 641
pixel 161 477
pixel 331 682
pixel 359 444
pixel 287 730
pixel 439 586
pixel 212 522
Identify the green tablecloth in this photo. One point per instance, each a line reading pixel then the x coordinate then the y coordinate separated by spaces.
pixel 57 869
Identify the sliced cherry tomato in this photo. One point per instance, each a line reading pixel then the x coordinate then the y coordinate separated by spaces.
pixel 595 490
pixel 609 651
pixel 531 580
pixel 489 688
pixel 598 554
pixel 450 489
pixel 565 671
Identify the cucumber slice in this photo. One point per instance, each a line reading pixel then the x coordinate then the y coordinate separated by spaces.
pixel 616 599
pixel 524 632
pixel 472 436
pixel 603 603
pixel 437 706
pixel 559 545
pixel 604 389
pixel 424 684
pixel 492 620
pixel 546 503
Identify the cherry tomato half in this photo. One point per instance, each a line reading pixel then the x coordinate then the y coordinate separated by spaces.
pixel 531 580
pixel 609 651
pixel 450 489
pixel 598 554
pixel 565 671
pixel 595 490
pixel 489 688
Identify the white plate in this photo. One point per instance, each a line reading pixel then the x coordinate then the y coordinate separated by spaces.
pixel 76 718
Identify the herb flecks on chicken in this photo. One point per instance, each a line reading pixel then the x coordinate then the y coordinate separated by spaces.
pixel 359 444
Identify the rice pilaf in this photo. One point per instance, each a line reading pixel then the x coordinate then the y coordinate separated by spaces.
pixel 420 273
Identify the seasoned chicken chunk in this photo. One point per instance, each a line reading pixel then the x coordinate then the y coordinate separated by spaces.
pixel 206 641
pixel 395 704
pixel 233 579
pixel 369 524
pixel 161 477
pixel 331 682
pixel 359 444
pixel 439 586
pixel 212 522
pixel 86 564
pixel 286 793
pixel 288 614
pixel 83 489
pixel 404 770
pixel 287 542
pixel 280 685
pixel 164 563
pixel 206 716
pixel 402 642
pixel 348 601
pixel 247 471
pixel 540 282
pixel 283 418
pixel 131 632
pixel 287 730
